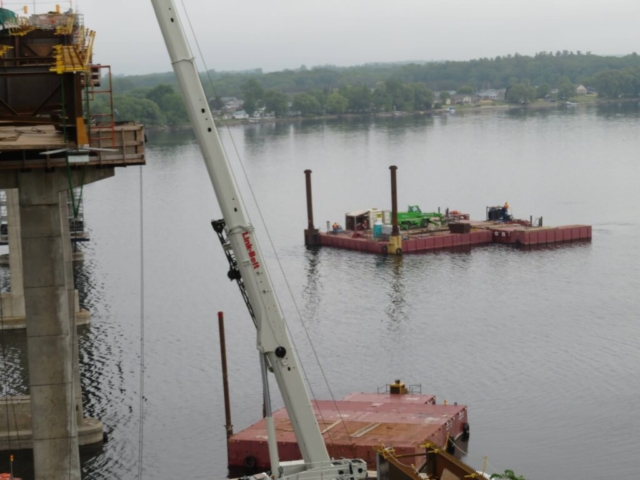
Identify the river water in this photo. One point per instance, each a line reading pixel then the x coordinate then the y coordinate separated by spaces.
pixel 542 345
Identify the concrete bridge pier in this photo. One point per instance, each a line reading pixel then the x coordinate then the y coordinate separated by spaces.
pixel 13 309
pixel 50 327
pixel 49 299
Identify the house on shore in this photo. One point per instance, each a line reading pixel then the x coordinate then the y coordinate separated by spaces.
pixel 581 90
pixel 491 94
pixel 446 101
pixel 231 104
pixel 463 99
pixel 240 115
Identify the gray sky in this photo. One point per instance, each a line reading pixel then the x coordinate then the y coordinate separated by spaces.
pixel 278 34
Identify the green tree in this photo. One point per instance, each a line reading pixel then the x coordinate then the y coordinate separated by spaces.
pixel 121 85
pixel 465 89
pixel 336 103
pixel 321 96
pixel 422 97
pixel 156 93
pixel 169 102
pixel 405 100
pixel 566 89
pixel 252 95
pixel 499 72
pixel 217 103
pixel 520 94
pixel 610 84
pixel 543 90
pixel 138 109
pixel 276 102
pixel 359 98
pixel 249 106
pixel 381 100
pixel 402 96
pixel 172 106
pixel 306 104
pixel 444 96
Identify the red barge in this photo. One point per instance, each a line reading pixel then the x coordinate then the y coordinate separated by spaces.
pixel 481 233
pixel 355 426
pixel 448 231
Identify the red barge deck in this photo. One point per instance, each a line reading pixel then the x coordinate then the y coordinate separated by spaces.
pixel 436 231
pixel 354 426
pixel 481 233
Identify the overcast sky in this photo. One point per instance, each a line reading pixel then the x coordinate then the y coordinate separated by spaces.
pixel 279 34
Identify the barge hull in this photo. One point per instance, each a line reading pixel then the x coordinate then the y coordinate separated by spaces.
pixel 353 427
pixel 483 233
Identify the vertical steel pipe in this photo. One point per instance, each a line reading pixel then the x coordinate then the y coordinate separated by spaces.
pixel 271 429
pixel 225 379
pixel 394 200
pixel 311 234
pixel 307 174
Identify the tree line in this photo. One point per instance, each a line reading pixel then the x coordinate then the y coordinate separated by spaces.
pixel 161 105
pixel 386 96
pixel 154 100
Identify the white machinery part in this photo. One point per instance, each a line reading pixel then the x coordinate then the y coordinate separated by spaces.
pixel 273 339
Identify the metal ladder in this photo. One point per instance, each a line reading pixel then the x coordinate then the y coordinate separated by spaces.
pixel 102 133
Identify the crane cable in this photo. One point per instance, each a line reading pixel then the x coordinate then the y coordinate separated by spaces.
pixel 235 147
pixel 142 367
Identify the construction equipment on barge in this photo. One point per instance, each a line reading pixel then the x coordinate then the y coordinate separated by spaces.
pixel 392 232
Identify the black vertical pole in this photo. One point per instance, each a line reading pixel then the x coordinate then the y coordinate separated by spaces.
pixel 225 379
pixel 311 234
pixel 394 201
pixel 307 174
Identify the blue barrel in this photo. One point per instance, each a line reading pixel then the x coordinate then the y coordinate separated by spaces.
pixel 377 230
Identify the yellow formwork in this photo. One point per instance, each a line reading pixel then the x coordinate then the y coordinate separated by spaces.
pixel 21 31
pixel 4 49
pixel 77 57
pixel 68 28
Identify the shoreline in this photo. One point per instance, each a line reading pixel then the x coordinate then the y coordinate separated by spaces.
pixel 441 111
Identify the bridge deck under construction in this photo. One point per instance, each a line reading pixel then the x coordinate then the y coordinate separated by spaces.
pixel 127 146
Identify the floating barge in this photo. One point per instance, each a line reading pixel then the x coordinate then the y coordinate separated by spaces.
pixel 449 231
pixel 354 427
pixel 480 233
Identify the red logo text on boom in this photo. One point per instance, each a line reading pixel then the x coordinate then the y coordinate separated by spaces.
pixel 252 254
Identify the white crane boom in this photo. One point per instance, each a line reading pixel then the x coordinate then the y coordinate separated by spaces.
pixel 273 341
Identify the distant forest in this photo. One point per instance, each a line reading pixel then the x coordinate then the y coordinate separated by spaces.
pixel 153 99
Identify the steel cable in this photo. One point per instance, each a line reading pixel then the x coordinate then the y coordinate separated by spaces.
pixel 271 243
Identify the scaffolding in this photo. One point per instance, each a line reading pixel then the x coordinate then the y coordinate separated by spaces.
pixel 75 207
pixel 102 133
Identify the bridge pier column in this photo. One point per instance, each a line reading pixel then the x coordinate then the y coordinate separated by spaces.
pixel 13 311
pixel 51 327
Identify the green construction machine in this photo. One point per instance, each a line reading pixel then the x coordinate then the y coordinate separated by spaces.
pixel 416 218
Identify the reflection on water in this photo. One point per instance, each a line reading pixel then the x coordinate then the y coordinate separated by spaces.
pixel 312 292
pixel 396 308
pixel 542 344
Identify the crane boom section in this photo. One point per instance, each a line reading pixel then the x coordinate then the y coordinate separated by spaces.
pixel 273 338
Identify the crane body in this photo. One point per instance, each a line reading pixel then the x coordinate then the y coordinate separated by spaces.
pixel 275 347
